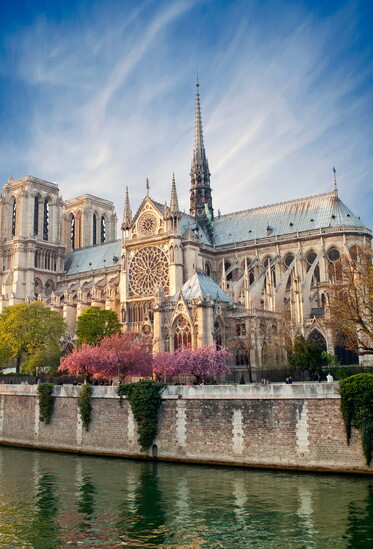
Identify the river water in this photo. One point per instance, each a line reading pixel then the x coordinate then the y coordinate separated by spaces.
pixel 51 500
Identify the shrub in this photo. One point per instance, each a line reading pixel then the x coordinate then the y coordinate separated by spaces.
pixel 357 409
pixel 84 404
pixel 145 400
pixel 46 401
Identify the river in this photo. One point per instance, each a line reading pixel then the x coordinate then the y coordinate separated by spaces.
pixel 51 500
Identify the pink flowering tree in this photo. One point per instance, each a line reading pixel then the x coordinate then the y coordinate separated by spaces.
pixel 204 361
pixel 165 364
pixel 126 354
pixel 87 361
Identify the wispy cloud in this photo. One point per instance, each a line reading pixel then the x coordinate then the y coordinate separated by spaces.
pixel 285 96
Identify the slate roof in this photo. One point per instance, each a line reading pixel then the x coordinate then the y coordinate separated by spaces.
pixel 187 222
pixel 303 214
pixel 93 257
pixel 201 285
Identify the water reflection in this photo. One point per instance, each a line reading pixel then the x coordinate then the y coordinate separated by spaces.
pixel 360 519
pixel 86 500
pixel 54 500
pixel 146 517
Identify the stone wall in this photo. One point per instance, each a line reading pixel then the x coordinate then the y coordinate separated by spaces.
pixel 295 426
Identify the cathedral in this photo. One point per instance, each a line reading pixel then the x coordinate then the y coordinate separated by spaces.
pixel 245 280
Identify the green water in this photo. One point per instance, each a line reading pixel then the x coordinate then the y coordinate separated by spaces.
pixel 50 500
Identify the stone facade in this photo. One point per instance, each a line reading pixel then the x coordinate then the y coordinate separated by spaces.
pixel 243 280
pixel 295 426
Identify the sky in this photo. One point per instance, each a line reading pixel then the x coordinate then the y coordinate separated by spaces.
pixel 97 95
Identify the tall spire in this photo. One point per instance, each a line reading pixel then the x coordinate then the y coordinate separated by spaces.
pixel 174 203
pixel 200 191
pixel 335 181
pixel 127 214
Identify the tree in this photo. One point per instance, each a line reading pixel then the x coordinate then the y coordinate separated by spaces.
pixel 164 364
pixel 87 361
pixel 304 355
pixel 203 361
pixel 127 354
pixel 351 301
pixel 28 329
pixel 94 324
pixel 117 355
pixel 45 360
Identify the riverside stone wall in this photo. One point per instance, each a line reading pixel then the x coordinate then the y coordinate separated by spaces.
pixel 287 426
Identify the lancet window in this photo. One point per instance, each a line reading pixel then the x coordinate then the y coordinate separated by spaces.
pixel 334 266
pixel 310 259
pixel 182 333
pixel 14 217
pixel 72 232
pixel 36 215
pixel 46 220
pixel 242 356
pixel 94 240
pixel 103 229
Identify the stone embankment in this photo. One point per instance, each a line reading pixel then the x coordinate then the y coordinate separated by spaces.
pixel 296 426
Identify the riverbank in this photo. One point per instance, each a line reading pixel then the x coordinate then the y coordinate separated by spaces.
pixel 296 426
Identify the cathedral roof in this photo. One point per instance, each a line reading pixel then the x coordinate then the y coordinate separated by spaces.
pixel 93 257
pixel 201 285
pixel 303 214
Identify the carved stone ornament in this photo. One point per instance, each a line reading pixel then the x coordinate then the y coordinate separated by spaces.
pixel 148 270
pixel 147 224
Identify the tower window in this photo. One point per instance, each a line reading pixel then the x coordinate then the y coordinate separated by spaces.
pixel 36 215
pixel 46 220
pixel 103 229
pixel 94 241
pixel 72 233
pixel 14 217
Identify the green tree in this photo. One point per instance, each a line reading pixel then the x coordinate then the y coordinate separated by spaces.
pixel 304 355
pixel 94 324
pixel 29 329
pixel 44 360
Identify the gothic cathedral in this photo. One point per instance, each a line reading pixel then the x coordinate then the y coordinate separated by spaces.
pixel 243 280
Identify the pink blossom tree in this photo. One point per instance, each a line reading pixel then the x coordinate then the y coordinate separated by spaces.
pixel 87 361
pixel 165 364
pixel 203 361
pixel 126 354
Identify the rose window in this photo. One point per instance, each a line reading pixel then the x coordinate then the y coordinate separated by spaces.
pixel 147 224
pixel 148 270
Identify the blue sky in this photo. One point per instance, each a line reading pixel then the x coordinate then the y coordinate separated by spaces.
pixel 100 94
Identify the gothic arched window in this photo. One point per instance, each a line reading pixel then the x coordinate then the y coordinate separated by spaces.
pixel 310 259
pixel 46 220
pixel 318 339
pixel 72 232
pixel 36 215
pixel 103 229
pixel 182 333
pixel 334 267
pixel 242 356
pixel 14 217
pixel 94 241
